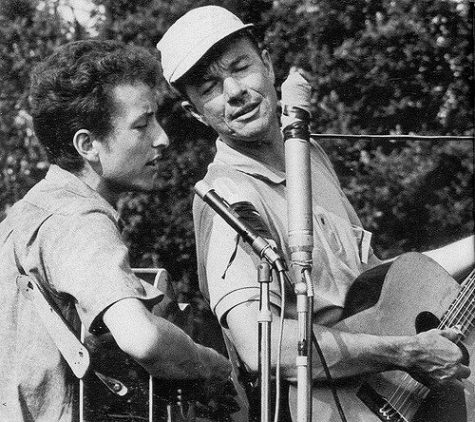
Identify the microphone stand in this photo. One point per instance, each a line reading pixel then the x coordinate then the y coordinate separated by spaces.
pixel 300 222
pixel 269 259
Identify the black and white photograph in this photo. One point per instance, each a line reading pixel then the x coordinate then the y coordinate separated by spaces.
pixel 237 211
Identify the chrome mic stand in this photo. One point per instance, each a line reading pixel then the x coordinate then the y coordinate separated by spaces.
pixel 300 227
pixel 269 259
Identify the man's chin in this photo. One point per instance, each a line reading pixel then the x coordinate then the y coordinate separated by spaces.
pixel 254 130
pixel 250 137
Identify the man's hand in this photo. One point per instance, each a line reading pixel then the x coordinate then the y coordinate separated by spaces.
pixel 435 359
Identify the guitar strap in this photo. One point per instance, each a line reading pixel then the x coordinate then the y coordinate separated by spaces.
pixel 60 330
pixel 74 352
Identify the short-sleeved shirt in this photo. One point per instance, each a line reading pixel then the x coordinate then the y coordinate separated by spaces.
pixel 227 274
pixel 65 235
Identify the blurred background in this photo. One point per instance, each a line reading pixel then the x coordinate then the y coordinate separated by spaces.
pixel 377 67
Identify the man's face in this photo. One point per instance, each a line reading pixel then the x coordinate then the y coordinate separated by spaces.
pixel 235 95
pixel 131 152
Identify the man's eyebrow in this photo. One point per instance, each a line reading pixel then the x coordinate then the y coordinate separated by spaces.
pixel 242 56
pixel 209 72
pixel 146 114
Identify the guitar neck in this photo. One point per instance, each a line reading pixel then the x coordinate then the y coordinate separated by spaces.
pixel 462 310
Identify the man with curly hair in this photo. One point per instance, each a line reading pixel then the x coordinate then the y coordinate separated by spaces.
pixel 94 108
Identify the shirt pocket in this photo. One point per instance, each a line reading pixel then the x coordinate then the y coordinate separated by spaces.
pixel 342 240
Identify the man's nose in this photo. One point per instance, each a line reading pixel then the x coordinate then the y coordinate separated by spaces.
pixel 233 89
pixel 160 139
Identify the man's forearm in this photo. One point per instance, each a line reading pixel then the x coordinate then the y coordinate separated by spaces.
pixel 162 348
pixel 457 258
pixel 430 356
pixel 346 354
pixel 174 355
pixel 433 355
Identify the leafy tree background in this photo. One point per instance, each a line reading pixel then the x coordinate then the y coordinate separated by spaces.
pixel 377 66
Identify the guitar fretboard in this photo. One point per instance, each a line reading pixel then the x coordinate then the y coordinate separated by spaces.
pixel 462 310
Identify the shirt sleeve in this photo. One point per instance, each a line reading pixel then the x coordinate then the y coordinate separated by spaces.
pixel 85 257
pixel 231 271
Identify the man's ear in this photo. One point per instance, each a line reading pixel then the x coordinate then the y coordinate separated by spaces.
pixel 84 143
pixel 190 108
pixel 268 65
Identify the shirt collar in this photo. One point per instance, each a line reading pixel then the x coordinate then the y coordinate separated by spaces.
pixel 66 180
pixel 246 164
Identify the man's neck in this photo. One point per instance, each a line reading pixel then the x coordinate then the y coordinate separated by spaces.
pixel 88 176
pixel 269 150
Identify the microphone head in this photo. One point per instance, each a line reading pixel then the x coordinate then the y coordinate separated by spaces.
pixel 202 188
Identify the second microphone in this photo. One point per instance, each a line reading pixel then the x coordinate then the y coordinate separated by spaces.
pixel 259 245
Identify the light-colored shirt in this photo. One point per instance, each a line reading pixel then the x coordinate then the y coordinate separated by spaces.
pixel 228 275
pixel 66 235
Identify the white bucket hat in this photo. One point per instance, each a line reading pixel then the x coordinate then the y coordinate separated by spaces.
pixel 192 36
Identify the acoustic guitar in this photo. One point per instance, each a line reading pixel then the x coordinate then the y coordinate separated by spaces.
pixel 417 295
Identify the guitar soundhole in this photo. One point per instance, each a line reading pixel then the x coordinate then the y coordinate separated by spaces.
pixel 379 405
pixel 426 321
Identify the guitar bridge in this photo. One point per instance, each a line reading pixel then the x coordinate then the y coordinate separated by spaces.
pixel 379 405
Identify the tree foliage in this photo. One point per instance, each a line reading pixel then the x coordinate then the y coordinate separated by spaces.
pixel 380 66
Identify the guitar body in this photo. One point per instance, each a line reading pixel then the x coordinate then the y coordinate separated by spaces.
pixel 415 291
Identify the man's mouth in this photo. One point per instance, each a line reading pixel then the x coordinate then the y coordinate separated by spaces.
pixel 245 111
pixel 154 161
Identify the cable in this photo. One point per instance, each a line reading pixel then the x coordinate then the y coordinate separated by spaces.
pixel 329 378
pixel 279 348
pixel 388 137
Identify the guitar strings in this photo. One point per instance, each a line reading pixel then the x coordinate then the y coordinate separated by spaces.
pixel 462 310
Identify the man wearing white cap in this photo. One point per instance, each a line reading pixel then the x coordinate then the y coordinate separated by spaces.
pixel 210 56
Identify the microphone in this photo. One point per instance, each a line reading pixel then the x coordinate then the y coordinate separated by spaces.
pixel 259 245
pixel 296 95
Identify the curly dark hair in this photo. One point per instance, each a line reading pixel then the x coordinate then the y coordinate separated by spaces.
pixel 71 90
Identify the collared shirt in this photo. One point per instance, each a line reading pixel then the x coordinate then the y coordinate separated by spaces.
pixel 227 273
pixel 65 235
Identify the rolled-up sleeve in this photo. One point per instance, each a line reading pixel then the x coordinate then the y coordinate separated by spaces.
pixel 85 257
pixel 231 271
